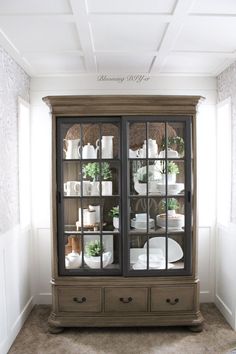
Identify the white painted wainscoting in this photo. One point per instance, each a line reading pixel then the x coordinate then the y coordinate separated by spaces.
pixel 225 294
pixel 16 296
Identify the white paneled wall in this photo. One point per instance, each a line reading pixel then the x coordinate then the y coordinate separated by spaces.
pixel 41 150
pixel 16 299
pixel 225 272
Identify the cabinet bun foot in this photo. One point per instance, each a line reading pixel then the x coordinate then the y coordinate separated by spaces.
pixel 55 330
pixel 197 329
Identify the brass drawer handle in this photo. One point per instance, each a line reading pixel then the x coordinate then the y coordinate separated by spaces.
pixel 126 300
pixel 79 301
pixel 169 301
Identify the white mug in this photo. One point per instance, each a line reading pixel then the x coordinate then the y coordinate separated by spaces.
pixel 72 188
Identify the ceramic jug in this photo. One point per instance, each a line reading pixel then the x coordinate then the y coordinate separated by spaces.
pixel 107 146
pixel 73 260
pixel 89 151
pixel 152 148
pixel 72 148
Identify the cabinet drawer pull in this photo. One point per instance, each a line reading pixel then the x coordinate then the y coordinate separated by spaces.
pixel 79 301
pixel 126 300
pixel 172 302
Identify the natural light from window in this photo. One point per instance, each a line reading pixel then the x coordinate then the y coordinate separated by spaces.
pixel 24 162
pixel 224 162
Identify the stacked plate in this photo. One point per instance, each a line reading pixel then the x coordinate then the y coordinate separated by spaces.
pixel 141 224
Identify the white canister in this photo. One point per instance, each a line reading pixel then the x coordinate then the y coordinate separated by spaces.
pixel 106 146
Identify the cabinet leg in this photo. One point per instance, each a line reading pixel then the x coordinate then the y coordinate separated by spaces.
pixel 198 328
pixel 55 330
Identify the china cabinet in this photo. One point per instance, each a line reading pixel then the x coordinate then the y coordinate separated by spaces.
pixel 124 229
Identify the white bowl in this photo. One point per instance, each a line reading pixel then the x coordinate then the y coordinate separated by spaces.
pixel 175 222
pixel 140 188
pixel 173 189
pixel 142 224
pixel 95 262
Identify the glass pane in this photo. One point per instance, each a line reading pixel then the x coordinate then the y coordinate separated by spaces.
pixel 71 135
pixel 136 249
pixel 175 141
pixel 171 214
pixel 109 144
pixel 169 257
pixel 139 215
pixel 137 140
pixel 90 141
pixel 98 251
pixel 73 258
pixel 156 132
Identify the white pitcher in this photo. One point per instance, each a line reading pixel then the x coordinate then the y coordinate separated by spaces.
pixel 89 151
pixel 107 146
pixel 72 148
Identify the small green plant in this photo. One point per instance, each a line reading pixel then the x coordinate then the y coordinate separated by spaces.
pixel 92 169
pixel 114 212
pixel 94 248
pixel 173 142
pixel 172 204
pixel 172 168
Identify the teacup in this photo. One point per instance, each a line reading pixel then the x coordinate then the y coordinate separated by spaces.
pixel 72 188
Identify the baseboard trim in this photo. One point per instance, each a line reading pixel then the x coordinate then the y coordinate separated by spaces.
pixel 226 312
pixel 15 329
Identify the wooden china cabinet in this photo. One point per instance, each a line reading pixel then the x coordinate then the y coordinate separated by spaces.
pixel 124 225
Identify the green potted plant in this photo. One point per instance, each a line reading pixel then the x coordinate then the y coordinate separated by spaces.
pixel 92 170
pixel 115 214
pixel 172 205
pixel 94 253
pixel 174 220
pixel 172 170
pixel 175 146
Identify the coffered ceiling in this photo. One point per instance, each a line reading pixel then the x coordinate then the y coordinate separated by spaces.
pixel 156 37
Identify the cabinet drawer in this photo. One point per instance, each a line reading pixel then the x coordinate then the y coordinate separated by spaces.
pixel 126 299
pixel 172 298
pixel 79 299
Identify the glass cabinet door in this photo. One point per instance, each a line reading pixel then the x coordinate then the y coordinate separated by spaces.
pixel 158 234
pixel 89 195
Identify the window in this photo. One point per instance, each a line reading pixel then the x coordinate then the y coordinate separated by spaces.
pixel 24 162
pixel 223 156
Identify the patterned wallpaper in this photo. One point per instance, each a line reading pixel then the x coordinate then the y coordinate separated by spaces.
pixel 227 88
pixel 14 82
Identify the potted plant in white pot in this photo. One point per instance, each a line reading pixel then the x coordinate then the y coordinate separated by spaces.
pixel 172 170
pixel 174 220
pixel 175 147
pixel 115 214
pixel 94 252
pixel 92 170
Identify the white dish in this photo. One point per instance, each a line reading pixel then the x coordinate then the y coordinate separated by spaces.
pixel 176 222
pixel 160 188
pixel 95 262
pixel 141 224
pixel 140 265
pixel 175 252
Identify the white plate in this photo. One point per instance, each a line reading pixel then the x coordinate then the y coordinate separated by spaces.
pixel 140 265
pixel 175 252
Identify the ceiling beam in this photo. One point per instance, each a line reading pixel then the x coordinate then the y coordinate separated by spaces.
pixel 181 11
pixel 80 11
